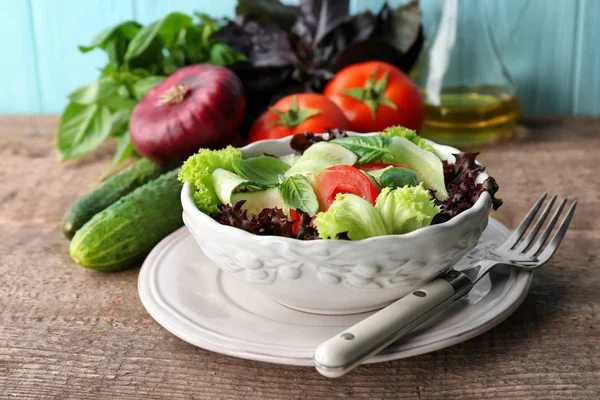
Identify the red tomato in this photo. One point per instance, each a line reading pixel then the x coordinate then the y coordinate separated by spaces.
pixel 375 95
pixel 342 179
pixel 296 219
pixel 298 113
pixel 372 166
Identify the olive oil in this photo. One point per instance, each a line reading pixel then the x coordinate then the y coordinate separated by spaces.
pixel 472 115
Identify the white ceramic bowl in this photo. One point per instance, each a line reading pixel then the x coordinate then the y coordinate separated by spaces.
pixel 336 276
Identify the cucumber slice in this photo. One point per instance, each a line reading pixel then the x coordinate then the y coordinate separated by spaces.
pixel 257 201
pixel 373 180
pixel 290 159
pixel 225 183
pixel 320 156
pixel 376 173
pixel 399 177
pixel 427 165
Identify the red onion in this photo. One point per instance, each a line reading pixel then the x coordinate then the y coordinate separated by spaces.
pixel 197 106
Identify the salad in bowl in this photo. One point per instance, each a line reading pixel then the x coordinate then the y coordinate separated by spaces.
pixel 339 222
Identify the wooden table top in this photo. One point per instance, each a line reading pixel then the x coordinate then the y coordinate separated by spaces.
pixel 70 333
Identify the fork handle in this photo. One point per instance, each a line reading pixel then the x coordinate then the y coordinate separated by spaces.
pixel 345 351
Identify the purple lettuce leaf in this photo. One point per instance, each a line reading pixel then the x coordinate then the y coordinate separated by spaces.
pixel 302 141
pixel 270 221
pixel 463 192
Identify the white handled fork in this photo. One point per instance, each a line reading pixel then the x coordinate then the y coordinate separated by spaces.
pixel 345 351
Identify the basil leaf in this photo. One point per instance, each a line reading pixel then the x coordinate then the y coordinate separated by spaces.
pixel 82 128
pixel 118 102
pixel 297 193
pixel 206 21
pixel 367 148
pixel 94 92
pixel 115 48
pixel 165 28
pixel 119 122
pixel 127 29
pixel 190 48
pixel 124 150
pixel 222 54
pixel 263 170
pixel 141 87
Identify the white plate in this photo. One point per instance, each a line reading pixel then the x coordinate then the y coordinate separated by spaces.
pixel 195 300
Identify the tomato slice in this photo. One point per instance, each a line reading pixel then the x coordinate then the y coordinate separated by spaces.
pixel 295 218
pixel 372 166
pixel 342 179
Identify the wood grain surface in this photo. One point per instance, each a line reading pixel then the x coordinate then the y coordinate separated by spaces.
pixel 69 333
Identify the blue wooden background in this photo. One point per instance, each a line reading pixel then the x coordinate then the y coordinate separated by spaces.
pixel 549 46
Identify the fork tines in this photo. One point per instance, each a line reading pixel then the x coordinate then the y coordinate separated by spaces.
pixel 528 245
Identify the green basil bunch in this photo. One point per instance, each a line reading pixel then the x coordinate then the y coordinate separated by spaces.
pixel 139 57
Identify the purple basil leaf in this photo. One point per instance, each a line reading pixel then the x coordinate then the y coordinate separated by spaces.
pixel 319 17
pixel 392 36
pixel 263 85
pixel 268 10
pixel 400 27
pixel 264 44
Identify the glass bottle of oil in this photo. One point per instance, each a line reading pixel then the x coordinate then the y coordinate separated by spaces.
pixel 470 98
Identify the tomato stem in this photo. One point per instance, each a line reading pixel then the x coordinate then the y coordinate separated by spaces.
pixel 174 95
pixel 294 116
pixel 372 93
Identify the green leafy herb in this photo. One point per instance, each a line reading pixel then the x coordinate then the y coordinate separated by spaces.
pixel 263 170
pixel 119 103
pixel 119 122
pixel 124 150
pixel 298 194
pixel 165 28
pixel 221 54
pixel 367 148
pixel 141 87
pixel 82 128
pixel 95 92
pixel 128 29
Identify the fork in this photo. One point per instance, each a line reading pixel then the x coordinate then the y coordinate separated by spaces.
pixel 345 351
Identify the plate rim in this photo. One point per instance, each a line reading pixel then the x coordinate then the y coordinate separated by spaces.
pixel 146 285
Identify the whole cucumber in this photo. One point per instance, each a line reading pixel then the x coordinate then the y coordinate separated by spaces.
pixel 119 236
pixel 111 190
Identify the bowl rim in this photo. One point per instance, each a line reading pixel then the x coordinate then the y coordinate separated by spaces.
pixel 484 201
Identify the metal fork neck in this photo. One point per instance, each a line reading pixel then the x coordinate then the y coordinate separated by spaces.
pixel 461 284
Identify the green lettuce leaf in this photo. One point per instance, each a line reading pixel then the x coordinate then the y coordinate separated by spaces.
pixel 408 134
pixel 352 215
pixel 197 171
pixel 405 209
